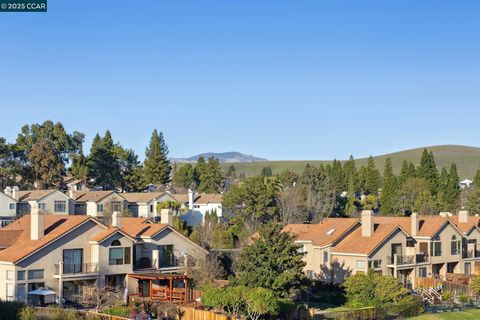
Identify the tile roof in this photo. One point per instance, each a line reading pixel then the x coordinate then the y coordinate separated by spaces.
pixel 354 242
pixel 321 234
pixel 200 198
pixel 105 234
pixel 55 226
pixel 466 227
pixel 32 195
pixel 428 225
pixel 140 227
pixel 91 196
pixel 141 197
pixel 8 237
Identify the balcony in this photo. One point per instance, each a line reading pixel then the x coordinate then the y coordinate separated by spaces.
pixel 470 254
pixel 146 263
pixel 77 269
pixel 408 259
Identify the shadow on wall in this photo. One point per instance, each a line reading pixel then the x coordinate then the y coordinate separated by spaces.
pixel 192 218
pixel 334 272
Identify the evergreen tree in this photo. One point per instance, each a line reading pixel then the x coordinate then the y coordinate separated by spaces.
pixel 200 167
pixel 185 177
pixel 476 179
pixel 266 172
pixel 156 165
pixel 390 189
pixel 130 170
pixel 231 171
pixel 443 185
pixel 102 163
pixel 336 174
pixel 372 177
pixel 452 193
pixel 428 170
pixel 320 194
pixel 350 176
pixel 211 179
pixel 271 261
pixel 9 164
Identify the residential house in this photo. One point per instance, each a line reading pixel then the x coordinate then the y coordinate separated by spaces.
pixel 48 201
pixel 8 207
pixel 196 205
pixel 99 204
pixel 75 184
pixel 70 252
pixel 143 204
pixel 465 183
pixel 404 247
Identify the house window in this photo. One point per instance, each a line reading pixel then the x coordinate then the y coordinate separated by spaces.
pixel 116 206
pixel 422 272
pixel 78 187
pixel 35 274
pixel 60 206
pixel 360 264
pixel 436 247
pixel 10 291
pixel 12 206
pixel 72 260
pixel 100 207
pixel 166 256
pixel 151 208
pixel 119 255
pixel 468 268
pixel 325 256
pixel 20 275
pixel 21 292
pixel 310 274
pixel 374 264
pixel 9 274
pixel 410 242
pixel 42 206
pixel 196 206
pixel 455 246
pixel 35 285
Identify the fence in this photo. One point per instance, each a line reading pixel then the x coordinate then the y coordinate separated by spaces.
pixel 189 313
pixel 84 313
pixel 456 286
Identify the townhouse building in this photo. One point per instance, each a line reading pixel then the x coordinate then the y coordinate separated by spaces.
pixel 69 253
pixel 403 247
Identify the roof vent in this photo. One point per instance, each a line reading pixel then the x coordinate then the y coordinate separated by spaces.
pixel 330 232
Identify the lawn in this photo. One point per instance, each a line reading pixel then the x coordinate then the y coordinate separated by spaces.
pixel 466 314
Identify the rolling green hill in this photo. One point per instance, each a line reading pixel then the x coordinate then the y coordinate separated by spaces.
pixel 466 158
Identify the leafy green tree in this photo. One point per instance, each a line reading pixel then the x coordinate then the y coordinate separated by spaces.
pixel 425 203
pixel 336 174
pixel 156 165
pixel 184 177
pixel 390 189
pixel 62 144
pixel 260 301
pixel 408 171
pixel 79 168
pixel 266 172
pixel 473 201
pixel 211 178
pixel 271 261
pixel 374 290
pixel 46 165
pixel 453 191
pixel 476 179
pixel 288 178
pixel 409 192
pixel 252 201
pixel 319 193
pixel 371 177
pixel 475 287
pixel 200 168
pixel 9 165
pixel 103 163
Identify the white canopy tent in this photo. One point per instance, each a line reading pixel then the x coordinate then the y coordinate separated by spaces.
pixel 42 296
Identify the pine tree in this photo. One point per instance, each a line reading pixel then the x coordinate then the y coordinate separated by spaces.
pixel 200 167
pixel 350 176
pixel 452 193
pixel 102 163
pixel 390 189
pixel 185 177
pixel 211 179
pixel 156 165
pixel 336 174
pixel 443 185
pixel 372 177
pixel 476 179
pixel 266 172
pixel 428 170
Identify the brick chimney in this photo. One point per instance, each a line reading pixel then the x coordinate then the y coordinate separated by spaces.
pixel 367 223
pixel 116 219
pixel 463 216
pixel 414 224
pixel 37 223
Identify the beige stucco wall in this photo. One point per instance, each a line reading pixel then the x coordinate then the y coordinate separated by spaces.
pixel 5 202
pixel 51 255
pixel 50 201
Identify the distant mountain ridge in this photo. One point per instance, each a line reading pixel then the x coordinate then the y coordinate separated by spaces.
pixel 223 157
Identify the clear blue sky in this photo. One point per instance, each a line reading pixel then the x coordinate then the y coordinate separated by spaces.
pixel 277 79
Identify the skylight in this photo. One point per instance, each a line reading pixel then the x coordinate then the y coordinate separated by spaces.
pixel 330 232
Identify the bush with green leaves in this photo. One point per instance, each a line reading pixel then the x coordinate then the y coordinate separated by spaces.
pixel 242 302
pixel 373 290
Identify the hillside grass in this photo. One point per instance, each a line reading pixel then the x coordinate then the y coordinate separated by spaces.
pixel 466 158
pixel 465 314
